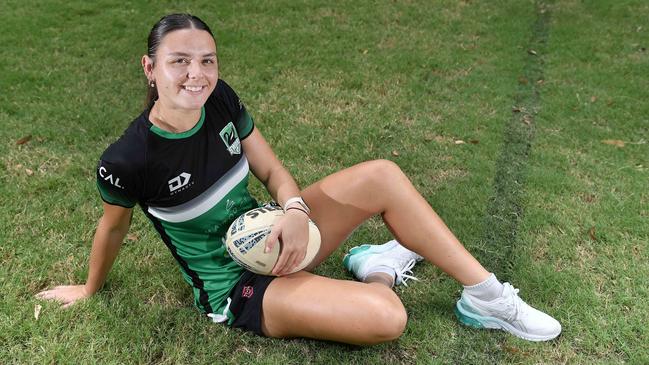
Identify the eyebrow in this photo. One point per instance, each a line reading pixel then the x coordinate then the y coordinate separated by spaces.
pixel 183 54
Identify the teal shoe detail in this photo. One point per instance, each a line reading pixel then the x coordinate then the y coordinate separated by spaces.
pixel 508 313
pixel 359 249
pixel 347 260
pixel 361 260
pixel 358 255
pixel 467 321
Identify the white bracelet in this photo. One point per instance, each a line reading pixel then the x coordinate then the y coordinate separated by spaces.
pixel 300 201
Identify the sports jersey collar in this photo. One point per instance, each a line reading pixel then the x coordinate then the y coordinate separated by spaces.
pixel 170 135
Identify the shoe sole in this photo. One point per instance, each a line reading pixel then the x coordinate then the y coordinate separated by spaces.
pixel 370 250
pixel 471 319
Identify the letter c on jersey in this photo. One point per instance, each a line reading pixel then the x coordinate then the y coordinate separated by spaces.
pixel 109 178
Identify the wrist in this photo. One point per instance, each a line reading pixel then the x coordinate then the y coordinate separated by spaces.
pixel 89 290
pixel 297 202
pixel 298 209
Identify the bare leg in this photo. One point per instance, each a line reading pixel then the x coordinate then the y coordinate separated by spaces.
pixel 343 200
pixel 306 305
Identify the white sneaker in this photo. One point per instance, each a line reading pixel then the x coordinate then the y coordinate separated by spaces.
pixel 509 313
pixel 361 260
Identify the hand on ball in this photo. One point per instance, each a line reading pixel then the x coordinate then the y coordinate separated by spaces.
pixel 252 240
pixel 293 231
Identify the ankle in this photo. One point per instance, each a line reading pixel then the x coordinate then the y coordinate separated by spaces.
pixel 487 290
pixel 380 277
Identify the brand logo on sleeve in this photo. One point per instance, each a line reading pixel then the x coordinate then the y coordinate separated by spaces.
pixel 231 139
pixel 109 177
pixel 179 182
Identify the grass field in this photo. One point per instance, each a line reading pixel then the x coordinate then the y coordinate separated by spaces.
pixel 548 190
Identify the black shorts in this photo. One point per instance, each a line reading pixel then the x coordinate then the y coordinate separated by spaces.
pixel 247 299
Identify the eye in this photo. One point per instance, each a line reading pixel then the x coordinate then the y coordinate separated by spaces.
pixel 208 61
pixel 181 61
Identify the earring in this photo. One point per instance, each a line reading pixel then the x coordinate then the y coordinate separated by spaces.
pixel 152 84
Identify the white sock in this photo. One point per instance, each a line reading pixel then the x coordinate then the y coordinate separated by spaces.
pixel 487 290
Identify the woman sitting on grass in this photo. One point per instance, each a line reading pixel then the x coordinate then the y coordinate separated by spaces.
pixel 185 161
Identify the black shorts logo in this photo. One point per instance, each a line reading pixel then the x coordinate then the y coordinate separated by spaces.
pixel 247 292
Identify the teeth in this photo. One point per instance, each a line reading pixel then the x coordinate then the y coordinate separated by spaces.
pixel 193 88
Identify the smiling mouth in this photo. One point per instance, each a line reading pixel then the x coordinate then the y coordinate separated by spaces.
pixel 193 89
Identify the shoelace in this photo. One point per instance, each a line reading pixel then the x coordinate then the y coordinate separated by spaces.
pixel 405 273
pixel 514 303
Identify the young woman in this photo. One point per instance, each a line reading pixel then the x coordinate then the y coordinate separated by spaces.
pixel 185 161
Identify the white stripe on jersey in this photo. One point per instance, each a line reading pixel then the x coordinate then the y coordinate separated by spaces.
pixel 207 200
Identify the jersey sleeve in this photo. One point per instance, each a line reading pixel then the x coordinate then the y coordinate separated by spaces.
pixel 242 120
pixel 115 184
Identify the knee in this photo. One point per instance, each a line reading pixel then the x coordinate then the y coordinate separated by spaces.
pixel 394 323
pixel 387 319
pixel 382 171
pixel 390 324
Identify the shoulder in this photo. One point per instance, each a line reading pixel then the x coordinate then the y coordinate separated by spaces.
pixel 128 151
pixel 227 101
pixel 223 89
pixel 120 169
pixel 224 94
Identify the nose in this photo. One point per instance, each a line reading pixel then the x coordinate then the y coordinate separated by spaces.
pixel 194 70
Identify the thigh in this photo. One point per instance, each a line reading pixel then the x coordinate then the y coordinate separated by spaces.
pixel 312 306
pixel 341 202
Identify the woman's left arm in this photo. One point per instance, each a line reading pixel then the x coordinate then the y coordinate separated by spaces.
pixel 292 230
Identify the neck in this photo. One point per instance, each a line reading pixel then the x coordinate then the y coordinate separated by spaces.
pixel 173 120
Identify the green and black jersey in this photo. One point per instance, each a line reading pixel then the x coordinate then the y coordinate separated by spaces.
pixel 191 186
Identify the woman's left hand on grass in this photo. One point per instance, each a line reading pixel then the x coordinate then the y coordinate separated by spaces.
pixel 66 295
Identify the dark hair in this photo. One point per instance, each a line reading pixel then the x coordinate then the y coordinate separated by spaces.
pixel 165 25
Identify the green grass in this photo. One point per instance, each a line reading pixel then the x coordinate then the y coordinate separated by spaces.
pixel 330 85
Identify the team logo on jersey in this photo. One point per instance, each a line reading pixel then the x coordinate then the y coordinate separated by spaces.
pixel 179 182
pixel 231 139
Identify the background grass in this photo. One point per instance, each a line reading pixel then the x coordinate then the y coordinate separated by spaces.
pixel 330 85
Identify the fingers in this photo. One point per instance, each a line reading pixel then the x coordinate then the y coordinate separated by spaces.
pixel 299 257
pixel 66 295
pixel 286 266
pixel 284 254
pixel 290 258
pixel 294 261
pixel 51 295
pixel 285 260
pixel 46 294
pixel 272 239
pixel 292 231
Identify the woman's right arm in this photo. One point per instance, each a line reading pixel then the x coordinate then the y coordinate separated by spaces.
pixel 110 233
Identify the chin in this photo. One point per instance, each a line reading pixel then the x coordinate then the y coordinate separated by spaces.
pixel 193 104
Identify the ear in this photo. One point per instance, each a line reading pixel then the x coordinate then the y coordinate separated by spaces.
pixel 147 66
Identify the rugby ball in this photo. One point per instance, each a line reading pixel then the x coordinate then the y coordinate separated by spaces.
pixel 246 240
